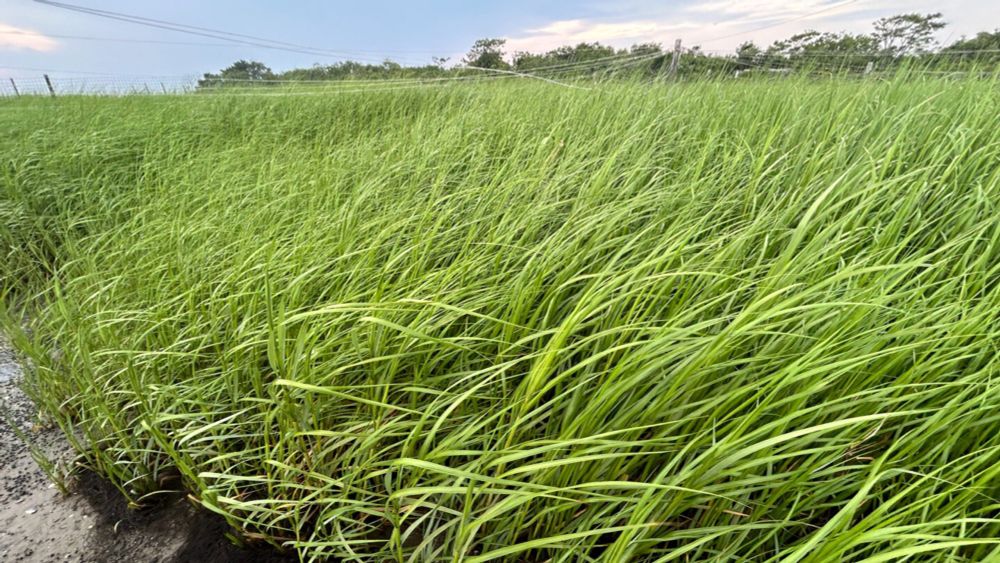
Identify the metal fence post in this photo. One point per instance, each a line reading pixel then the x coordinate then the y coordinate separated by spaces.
pixel 49 84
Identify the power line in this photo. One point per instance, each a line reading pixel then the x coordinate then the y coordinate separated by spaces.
pixel 590 66
pixel 117 40
pixel 244 38
pixel 321 91
pixel 182 28
pixel 162 42
pixel 610 58
pixel 624 58
pixel 337 82
pixel 527 75
pixel 238 38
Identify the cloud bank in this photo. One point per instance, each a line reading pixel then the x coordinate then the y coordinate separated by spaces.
pixel 572 32
pixel 715 24
pixel 16 38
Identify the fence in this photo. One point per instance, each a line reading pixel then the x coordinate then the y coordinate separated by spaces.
pixel 99 85
pixel 659 65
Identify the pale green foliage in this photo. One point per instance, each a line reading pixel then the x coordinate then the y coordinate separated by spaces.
pixel 754 321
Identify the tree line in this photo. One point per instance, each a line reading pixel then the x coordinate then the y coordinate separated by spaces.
pixel 892 42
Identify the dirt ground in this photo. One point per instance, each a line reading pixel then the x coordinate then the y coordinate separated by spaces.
pixel 92 524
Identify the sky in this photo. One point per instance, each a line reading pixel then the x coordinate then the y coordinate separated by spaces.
pixel 36 38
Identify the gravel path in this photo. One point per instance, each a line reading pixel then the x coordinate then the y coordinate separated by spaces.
pixel 92 525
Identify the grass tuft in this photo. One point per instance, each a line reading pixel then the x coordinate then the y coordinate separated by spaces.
pixel 744 321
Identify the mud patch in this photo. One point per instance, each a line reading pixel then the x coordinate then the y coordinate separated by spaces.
pixel 173 531
pixel 93 524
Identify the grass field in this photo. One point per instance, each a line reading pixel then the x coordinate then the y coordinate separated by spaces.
pixel 744 321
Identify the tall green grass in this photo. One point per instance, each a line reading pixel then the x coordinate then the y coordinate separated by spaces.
pixel 749 321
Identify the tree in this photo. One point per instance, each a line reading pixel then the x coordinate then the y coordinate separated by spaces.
pixel 640 49
pixel 247 70
pixel 748 54
pixel 487 53
pixel 983 41
pixel 907 34
pixel 813 43
pixel 696 62
pixel 240 71
pixel 831 52
pixel 390 66
pixel 565 55
pixel 983 49
pixel 581 52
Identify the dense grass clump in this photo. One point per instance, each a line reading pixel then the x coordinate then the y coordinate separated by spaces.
pixel 750 321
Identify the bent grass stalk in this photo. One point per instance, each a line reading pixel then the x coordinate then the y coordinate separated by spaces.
pixel 747 321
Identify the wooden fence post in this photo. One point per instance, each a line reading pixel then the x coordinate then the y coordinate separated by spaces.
pixel 14 85
pixel 49 84
pixel 675 59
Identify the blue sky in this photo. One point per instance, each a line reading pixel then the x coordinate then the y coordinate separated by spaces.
pixel 413 32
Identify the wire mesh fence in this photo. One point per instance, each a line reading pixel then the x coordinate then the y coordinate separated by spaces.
pixel 692 64
pixel 97 85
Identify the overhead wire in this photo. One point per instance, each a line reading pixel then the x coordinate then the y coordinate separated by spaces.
pixel 239 38
pixel 619 60
pixel 116 39
pixel 182 43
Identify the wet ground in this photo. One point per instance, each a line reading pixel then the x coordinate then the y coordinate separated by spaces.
pixel 91 525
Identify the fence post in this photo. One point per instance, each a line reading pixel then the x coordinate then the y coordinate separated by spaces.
pixel 869 67
pixel 49 84
pixel 14 84
pixel 675 59
pixel 162 87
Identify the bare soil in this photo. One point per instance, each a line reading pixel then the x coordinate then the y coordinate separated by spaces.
pixel 92 524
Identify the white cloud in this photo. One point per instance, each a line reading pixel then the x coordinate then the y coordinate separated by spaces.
pixel 698 23
pixel 25 39
pixel 721 25
pixel 778 9
pixel 620 34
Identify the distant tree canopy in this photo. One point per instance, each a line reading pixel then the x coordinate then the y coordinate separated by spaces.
pixel 983 48
pixel 345 70
pixel 816 43
pixel 983 41
pixel 582 52
pixel 487 53
pixel 907 34
pixel 893 39
pixel 241 71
